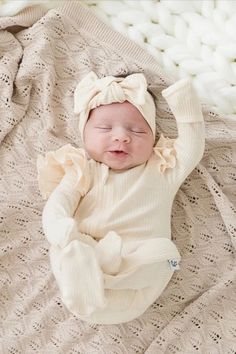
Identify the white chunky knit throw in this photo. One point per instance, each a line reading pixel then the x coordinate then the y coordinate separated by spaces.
pixel 188 38
pixel 42 57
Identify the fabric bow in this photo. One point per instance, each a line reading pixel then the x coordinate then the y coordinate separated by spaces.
pixel 92 91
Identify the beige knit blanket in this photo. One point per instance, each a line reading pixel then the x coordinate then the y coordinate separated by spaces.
pixel 41 61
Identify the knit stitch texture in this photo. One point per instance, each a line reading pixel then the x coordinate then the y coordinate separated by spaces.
pixel 41 60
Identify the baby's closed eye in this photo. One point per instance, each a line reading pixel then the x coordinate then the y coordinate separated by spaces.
pixel 103 127
pixel 137 130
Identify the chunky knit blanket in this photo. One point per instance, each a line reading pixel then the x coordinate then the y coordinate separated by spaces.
pixel 42 57
pixel 188 38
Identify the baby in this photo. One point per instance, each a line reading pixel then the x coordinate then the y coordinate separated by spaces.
pixel 108 213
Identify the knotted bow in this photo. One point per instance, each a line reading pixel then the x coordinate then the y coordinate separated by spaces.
pixel 92 91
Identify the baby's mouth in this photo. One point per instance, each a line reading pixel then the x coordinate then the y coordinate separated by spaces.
pixel 118 153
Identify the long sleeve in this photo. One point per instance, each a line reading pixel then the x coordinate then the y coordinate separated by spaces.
pixel 64 177
pixel 59 225
pixel 74 263
pixel 190 143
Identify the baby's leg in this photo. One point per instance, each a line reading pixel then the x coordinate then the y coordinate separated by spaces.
pixel 143 261
pixel 79 277
pixel 148 251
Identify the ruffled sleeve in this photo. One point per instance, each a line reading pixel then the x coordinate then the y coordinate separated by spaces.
pixel 55 164
pixel 165 153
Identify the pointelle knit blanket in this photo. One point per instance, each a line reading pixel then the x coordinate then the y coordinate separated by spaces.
pixel 42 58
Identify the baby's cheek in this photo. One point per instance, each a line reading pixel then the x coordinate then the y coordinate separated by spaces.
pixel 97 144
pixel 102 139
pixel 146 150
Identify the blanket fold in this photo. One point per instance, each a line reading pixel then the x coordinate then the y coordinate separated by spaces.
pixel 43 56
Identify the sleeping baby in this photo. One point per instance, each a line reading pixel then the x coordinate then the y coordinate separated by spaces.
pixel 108 211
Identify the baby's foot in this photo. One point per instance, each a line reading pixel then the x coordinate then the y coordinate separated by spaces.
pixel 108 252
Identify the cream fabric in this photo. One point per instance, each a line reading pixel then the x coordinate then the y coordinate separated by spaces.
pixel 55 166
pixel 42 61
pixel 111 249
pixel 92 92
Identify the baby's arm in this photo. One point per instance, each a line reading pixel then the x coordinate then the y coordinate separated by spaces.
pixel 74 263
pixel 190 143
pixel 59 225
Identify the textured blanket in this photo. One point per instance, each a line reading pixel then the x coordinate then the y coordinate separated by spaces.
pixel 42 57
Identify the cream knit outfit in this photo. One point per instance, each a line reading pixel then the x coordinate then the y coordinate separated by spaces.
pixel 110 233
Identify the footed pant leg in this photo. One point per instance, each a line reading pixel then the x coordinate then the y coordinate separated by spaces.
pixel 79 277
pixel 142 261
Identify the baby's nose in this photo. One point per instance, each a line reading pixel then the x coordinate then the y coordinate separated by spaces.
pixel 121 137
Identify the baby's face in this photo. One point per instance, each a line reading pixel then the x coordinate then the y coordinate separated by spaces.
pixel 118 136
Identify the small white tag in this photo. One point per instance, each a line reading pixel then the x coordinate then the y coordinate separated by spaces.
pixel 174 264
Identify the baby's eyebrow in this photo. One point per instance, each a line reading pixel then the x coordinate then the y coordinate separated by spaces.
pixel 102 122
pixel 103 119
pixel 136 126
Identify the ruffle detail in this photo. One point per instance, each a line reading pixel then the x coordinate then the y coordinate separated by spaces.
pixel 55 164
pixel 165 153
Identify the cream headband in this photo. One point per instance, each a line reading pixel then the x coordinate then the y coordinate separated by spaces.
pixel 92 92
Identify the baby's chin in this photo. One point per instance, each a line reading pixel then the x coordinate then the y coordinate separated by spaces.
pixel 118 166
